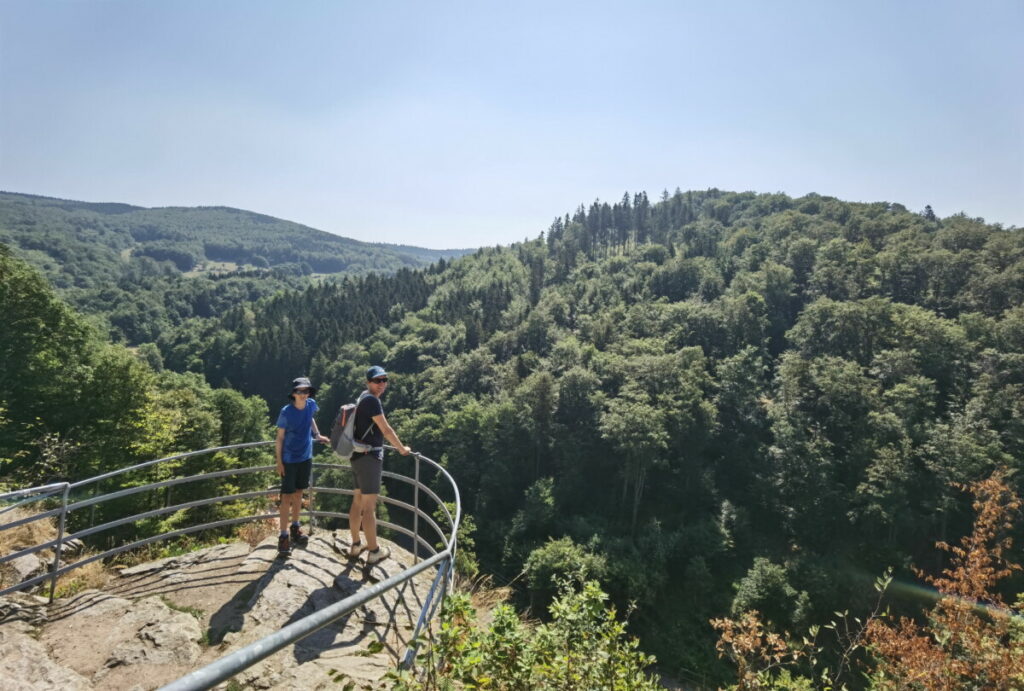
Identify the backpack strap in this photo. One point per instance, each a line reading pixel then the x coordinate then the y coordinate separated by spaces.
pixel 372 423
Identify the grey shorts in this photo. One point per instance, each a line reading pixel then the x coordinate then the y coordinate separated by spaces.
pixel 366 469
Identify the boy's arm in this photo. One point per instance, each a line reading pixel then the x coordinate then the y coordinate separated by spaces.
pixel 317 436
pixel 278 450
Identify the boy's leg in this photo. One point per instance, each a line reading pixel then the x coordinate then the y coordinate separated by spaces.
pixel 283 509
pixel 302 477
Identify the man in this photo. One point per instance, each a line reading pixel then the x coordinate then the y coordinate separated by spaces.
pixel 296 430
pixel 371 427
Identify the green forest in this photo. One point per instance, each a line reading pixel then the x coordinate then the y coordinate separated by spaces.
pixel 710 403
pixel 144 271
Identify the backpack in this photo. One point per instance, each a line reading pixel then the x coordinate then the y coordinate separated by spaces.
pixel 343 439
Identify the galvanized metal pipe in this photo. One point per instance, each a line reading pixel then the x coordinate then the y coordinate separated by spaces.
pixel 60 541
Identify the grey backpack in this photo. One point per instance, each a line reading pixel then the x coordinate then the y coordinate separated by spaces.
pixel 343 430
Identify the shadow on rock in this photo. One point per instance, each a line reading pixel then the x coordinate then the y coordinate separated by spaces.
pixel 230 617
pixel 349 631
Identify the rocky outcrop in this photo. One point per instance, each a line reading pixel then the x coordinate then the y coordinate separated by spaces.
pixel 27 665
pixel 160 620
pixel 114 638
pixel 360 648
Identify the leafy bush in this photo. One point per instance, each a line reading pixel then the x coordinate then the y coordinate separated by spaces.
pixel 583 647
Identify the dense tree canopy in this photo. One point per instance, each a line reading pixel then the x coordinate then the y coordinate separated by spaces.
pixel 145 270
pixel 712 402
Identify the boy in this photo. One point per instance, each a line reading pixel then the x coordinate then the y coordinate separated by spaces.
pixel 296 430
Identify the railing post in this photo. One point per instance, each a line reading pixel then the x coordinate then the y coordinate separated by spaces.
pixel 416 514
pixel 310 520
pixel 60 539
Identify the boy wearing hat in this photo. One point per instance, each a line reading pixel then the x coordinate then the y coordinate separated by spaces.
pixel 296 430
pixel 372 427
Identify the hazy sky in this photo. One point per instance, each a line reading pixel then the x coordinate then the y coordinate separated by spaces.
pixel 474 123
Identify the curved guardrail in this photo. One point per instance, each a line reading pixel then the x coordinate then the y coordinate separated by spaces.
pixel 228 666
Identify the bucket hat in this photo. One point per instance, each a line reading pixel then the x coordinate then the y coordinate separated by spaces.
pixel 302 383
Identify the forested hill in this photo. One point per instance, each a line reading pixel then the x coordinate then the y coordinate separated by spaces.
pixel 187 237
pixel 144 270
pixel 714 402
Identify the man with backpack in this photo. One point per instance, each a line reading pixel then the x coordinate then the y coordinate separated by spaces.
pixel 370 429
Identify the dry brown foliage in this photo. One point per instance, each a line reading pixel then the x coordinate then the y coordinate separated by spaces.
pixel 27 535
pixel 34 533
pixel 753 649
pixel 969 641
pixel 93 575
pixel 256 532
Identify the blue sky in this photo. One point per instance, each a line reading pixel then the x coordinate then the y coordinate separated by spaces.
pixel 464 124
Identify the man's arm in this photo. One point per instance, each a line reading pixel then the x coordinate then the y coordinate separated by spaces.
pixel 279 450
pixel 390 435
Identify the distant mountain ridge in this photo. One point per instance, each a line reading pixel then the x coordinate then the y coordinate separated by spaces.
pixel 141 271
pixel 189 236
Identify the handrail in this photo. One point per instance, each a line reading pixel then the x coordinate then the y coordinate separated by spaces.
pixel 232 664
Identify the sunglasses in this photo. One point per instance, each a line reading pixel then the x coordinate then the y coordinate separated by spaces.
pixel 380 380
pixel 301 391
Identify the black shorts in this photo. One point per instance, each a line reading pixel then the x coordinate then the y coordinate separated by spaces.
pixel 366 469
pixel 296 476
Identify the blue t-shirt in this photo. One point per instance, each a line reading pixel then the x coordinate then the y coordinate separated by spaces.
pixel 298 432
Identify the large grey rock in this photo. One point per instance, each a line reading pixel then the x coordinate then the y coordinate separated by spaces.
pixel 360 647
pixel 22 607
pixel 117 643
pixel 26 567
pixel 27 666
pixel 182 561
pixel 130 637
pixel 162 636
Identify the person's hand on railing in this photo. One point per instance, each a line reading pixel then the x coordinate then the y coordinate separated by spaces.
pixel 405 450
pixel 323 440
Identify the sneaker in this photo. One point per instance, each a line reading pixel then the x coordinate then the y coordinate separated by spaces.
pixel 378 555
pixel 283 546
pixel 355 550
pixel 298 537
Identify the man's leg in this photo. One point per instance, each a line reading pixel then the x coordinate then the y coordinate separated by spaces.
pixel 376 553
pixel 369 511
pixel 355 517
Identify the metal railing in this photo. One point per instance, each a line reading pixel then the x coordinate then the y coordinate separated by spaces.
pixel 228 666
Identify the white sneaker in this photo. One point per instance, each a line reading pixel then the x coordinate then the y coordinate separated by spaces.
pixel 378 555
pixel 355 550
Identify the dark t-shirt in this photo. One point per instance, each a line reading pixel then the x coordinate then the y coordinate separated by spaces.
pixel 368 408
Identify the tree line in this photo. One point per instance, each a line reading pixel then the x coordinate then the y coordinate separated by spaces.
pixel 714 403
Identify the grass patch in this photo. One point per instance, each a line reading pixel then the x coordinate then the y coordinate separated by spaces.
pixel 194 611
pixel 92 576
